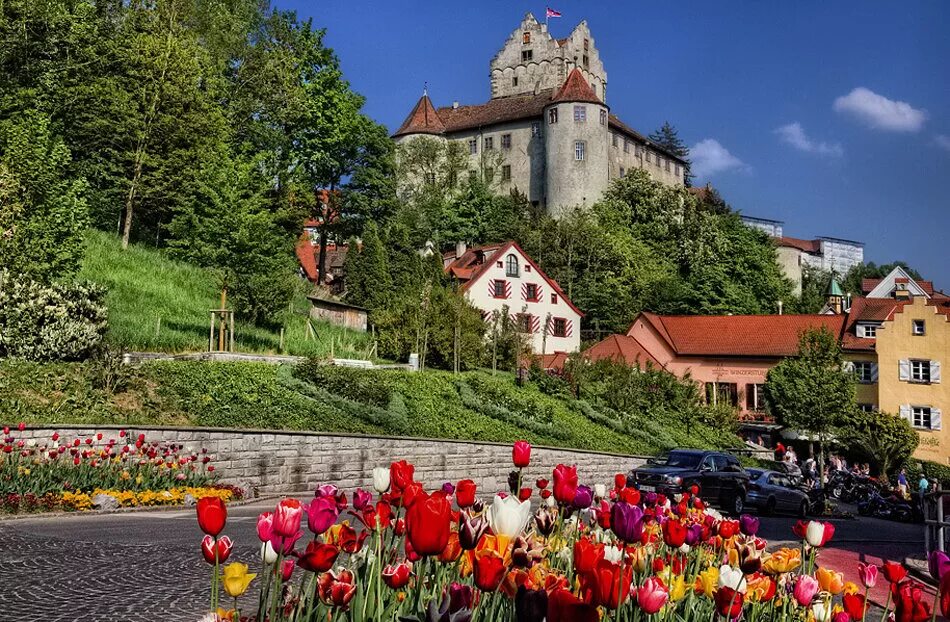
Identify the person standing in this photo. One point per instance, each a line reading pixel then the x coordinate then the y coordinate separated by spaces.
pixel 902 483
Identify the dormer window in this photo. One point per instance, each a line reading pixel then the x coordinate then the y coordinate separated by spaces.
pixel 867 331
pixel 511 266
pixel 526 38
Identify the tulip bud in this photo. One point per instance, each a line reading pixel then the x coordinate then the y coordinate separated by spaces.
pixel 471 530
pixel 600 491
pixel 268 554
pixel 381 479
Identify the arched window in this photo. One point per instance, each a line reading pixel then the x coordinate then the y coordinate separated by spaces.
pixel 511 266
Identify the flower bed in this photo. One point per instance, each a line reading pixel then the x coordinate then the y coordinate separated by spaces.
pixel 61 473
pixel 586 554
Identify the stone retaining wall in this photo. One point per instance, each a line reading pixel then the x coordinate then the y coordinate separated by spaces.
pixel 268 461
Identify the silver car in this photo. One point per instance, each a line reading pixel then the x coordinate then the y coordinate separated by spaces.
pixel 771 492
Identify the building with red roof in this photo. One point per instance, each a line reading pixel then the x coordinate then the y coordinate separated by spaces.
pixel 547 130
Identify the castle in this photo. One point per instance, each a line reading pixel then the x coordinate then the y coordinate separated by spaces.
pixel 547 130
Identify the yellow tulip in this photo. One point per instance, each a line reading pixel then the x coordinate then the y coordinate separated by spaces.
pixel 782 560
pixel 830 581
pixel 851 588
pixel 236 578
pixel 677 588
pixel 707 581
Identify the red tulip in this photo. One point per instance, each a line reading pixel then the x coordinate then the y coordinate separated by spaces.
pixel 335 589
pixel 674 533
pixel 427 523
pixel 287 569
pixel 55 436
pixel 587 555
pixel 321 514
pixel 909 603
pixel 541 483
pixel 893 572
pixel 397 577
pixel 728 528
pixel 729 602
pixel 565 483
pixel 212 514
pixel 21 426
pixel 521 454
pixel 465 493
pixel 489 570
pixel 400 474
pixel 854 605
pixel 220 548
pixel 411 493
pixel 945 595
pixel 620 481
pixel 524 494
pixel 652 595
pixel 565 607
pixel 605 585
pixel 318 557
pixel 287 518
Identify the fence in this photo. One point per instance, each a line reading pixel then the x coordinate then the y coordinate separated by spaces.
pixel 935 523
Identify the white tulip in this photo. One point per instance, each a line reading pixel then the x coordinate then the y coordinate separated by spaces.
pixel 381 479
pixel 732 578
pixel 550 502
pixel 822 611
pixel 612 554
pixel 268 554
pixel 600 491
pixel 685 548
pixel 711 512
pixel 815 533
pixel 508 516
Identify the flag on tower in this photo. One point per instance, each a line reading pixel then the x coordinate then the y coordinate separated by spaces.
pixel 551 13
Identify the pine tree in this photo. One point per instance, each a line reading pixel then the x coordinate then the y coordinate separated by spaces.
pixel 368 282
pixel 668 138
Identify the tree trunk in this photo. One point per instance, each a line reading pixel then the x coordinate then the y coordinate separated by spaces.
pixel 322 257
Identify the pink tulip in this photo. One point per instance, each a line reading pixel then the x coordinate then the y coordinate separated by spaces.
pixel 361 499
pixel 652 595
pixel 841 616
pixel 287 518
pixel 805 589
pixel 868 574
pixel 265 526
pixel 287 569
pixel 283 545
pixel 321 514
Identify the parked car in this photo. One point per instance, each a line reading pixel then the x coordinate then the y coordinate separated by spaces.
pixel 718 476
pixel 771 491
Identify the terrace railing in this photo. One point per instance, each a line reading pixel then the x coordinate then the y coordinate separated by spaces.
pixel 936 526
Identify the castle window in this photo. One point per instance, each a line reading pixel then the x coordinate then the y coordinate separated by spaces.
pixel 553 299
pixel 603 117
pixel 506 172
pixel 920 328
pixel 472 146
pixel 622 171
pixel 526 55
pixel 506 141
pixel 613 139
pixel 649 156
pixel 580 150
pixel 489 174
pixel 531 293
pixel 639 151
pixel 552 115
pixel 920 371
pixel 524 323
pixel 626 146
pixel 499 288
pixel 511 266
pixel 677 170
pixel 489 143
pixel 586 44
pixel 586 61
pixel 921 417
pixel 526 38
pixel 535 129
pixel 667 166
pixel 659 161
pixel 580 114
pixel 514 81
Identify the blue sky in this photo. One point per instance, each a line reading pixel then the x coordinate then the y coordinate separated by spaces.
pixel 831 116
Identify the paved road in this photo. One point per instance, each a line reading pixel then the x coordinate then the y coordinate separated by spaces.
pixel 147 566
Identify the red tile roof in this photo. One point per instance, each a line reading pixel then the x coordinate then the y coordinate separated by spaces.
pixel 576 89
pixel 308 254
pixel 808 246
pixel 422 120
pixel 554 362
pixel 868 285
pixel 739 335
pixel 622 349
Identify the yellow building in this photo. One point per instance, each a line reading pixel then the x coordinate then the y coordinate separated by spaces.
pixel 897 343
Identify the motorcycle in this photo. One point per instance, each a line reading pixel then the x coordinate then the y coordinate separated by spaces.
pixel 888 509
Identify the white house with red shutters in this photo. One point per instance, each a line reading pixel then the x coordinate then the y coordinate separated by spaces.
pixel 498 276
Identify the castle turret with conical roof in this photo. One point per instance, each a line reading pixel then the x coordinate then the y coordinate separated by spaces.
pixel 423 119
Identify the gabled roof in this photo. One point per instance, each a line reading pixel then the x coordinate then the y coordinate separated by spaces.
pixel 477 261
pixel 764 336
pixel 622 349
pixel 884 288
pixel 309 253
pixel 422 120
pixel 499 110
pixel 576 89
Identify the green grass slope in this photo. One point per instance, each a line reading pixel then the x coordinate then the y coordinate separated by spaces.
pixel 159 304
pixel 472 406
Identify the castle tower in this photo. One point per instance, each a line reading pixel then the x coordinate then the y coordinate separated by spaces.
pixel 576 144
pixel 422 120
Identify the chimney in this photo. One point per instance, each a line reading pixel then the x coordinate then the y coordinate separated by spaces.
pixel 460 248
pixel 455 105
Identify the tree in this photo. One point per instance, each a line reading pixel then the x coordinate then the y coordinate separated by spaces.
pixel 812 391
pixel 368 281
pixel 668 138
pixel 882 438
pixel 43 213
pixel 814 294
pixel 852 279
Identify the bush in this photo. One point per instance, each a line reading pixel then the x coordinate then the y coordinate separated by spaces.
pixel 933 471
pixel 58 322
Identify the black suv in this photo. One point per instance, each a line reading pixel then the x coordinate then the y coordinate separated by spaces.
pixel 720 478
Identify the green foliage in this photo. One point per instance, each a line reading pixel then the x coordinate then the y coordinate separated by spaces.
pixel 814 290
pixel 933 471
pixel 852 280
pixel 884 439
pixel 368 281
pixel 43 213
pixel 62 321
pixel 668 138
pixel 160 304
pixel 812 391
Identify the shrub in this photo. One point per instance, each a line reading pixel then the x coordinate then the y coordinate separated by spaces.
pixel 62 321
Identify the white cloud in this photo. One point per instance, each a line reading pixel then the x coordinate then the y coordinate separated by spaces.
pixel 880 112
pixel 943 141
pixel 708 157
pixel 794 135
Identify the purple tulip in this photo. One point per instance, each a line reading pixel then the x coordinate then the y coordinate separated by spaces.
pixel 448 488
pixel 361 499
pixel 749 525
pixel 471 530
pixel 321 514
pixel 939 564
pixel 626 521
pixel 583 497
pixel 693 534
pixel 650 498
pixel 327 490
pixel 461 596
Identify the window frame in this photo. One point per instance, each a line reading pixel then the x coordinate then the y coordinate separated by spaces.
pixel 472 146
pixel 923 367
pixel 859 371
pixel 529 288
pixel 559 321
pixel 506 172
pixel 580 113
pixel 512 266
pixel 916 411
pixel 553 299
pixel 527 56
pixel 506 141
pixel 580 150
pixel 922 324
pixel 526 38
pixel 603 117
pixel 524 323
pixel 501 284
pixel 488 143
pixel 552 115
pixel 626 146
pixel 535 129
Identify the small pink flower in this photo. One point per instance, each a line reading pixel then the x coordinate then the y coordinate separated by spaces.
pixel 868 574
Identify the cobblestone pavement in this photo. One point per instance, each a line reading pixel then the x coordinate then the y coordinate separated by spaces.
pixel 146 566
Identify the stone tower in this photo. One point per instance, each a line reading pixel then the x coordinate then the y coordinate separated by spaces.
pixel 575 140
pixel 531 61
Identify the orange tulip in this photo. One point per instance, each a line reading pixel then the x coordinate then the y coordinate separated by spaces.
pixel 830 581
pixel 490 570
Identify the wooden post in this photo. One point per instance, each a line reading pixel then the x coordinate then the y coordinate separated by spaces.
pixel 211 333
pixel 222 327
pixel 158 326
pixel 280 348
pixel 231 314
